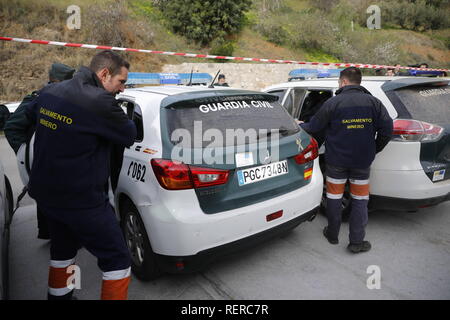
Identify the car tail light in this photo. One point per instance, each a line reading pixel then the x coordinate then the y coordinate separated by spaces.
pixel 414 130
pixel 309 153
pixel 175 175
pixel 206 177
pixel 172 175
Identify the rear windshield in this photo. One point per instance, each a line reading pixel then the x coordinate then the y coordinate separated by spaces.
pixel 228 121
pixel 426 103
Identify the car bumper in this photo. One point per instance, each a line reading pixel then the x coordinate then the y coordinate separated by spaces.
pixel 176 225
pixel 194 263
pixel 398 204
pixel 406 184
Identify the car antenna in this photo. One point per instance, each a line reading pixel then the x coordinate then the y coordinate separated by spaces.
pixel 190 78
pixel 212 83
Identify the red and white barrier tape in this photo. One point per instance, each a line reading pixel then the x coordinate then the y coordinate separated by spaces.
pixel 207 56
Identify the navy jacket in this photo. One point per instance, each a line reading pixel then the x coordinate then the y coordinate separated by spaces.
pixel 77 121
pixel 19 128
pixel 351 121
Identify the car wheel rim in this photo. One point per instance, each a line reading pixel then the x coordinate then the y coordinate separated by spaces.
pixel 134 238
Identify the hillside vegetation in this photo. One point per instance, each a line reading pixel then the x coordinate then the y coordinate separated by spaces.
pixel 319 30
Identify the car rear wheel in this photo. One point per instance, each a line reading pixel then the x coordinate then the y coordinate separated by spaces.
pixel 143 259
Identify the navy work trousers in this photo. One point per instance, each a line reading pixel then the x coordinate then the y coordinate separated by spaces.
pixel 359 191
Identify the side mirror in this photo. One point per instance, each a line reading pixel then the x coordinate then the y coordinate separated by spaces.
pixel 4 115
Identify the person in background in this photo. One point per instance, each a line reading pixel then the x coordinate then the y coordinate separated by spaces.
pixel 221 81
pixel 4 115
pixel 398 72
pixel 390 72
pixel 19 129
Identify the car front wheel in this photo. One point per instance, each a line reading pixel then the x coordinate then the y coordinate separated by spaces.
pixel 143 259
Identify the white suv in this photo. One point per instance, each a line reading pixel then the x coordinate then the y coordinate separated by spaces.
pixel 212 170
pixel 413 171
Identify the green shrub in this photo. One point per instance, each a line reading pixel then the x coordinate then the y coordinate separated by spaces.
pixel 324 5
pixel 418 15
pixel 221 47
pixel 203 21
pixel 273 32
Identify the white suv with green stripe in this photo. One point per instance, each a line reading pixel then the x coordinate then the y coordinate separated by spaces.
pixel 212 170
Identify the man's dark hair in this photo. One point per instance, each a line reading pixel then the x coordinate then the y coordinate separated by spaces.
pixel 221 76
pixel 110 60
pixel 352 74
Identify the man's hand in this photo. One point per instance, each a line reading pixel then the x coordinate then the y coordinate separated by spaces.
pixel 299 122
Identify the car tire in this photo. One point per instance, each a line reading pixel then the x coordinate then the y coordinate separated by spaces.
pixel 143 260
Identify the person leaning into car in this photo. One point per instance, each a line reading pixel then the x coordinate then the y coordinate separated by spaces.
pixel 357 126
pixel 77 122
pixel 19 129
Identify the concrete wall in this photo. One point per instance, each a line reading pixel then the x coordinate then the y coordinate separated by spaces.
pixel 253 76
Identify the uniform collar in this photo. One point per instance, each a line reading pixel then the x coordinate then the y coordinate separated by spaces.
pixel 352 87
pixel 88 76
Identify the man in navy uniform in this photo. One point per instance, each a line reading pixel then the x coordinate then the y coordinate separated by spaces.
pixel 77 122
pixel 357 126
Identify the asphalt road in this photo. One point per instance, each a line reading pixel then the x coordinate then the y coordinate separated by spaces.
pixel 410 250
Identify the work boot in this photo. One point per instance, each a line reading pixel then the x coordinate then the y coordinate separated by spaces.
pixel 360 247
pixel 332 241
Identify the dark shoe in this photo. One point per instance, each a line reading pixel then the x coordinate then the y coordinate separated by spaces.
pixel 360 247
pixel 44 235
pixel 332 241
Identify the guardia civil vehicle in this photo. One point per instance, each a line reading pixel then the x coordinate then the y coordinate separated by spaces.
pixel 212 171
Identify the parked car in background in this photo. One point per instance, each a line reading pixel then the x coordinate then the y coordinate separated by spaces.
pixel 413 171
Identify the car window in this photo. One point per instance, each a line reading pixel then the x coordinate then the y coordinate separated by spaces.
pixel 289 103
pixel 294 100
pixel 227 116
pixel 426 103
pixel 138 121
pixel 313 101
pixel 299 95
pixel 134 113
